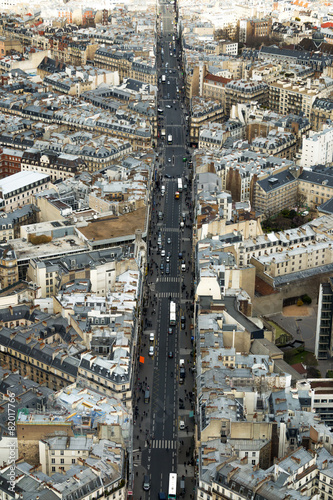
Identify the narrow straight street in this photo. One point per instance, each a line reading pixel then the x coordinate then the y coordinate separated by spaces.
pixel 164 397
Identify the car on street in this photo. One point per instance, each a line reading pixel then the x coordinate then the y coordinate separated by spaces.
pixel 162 266
pixel 168 82
pixel 167 176
pixel 182 322
pixel 169 241
pixel 183 265
pixel 169 160
pixel 151 350
pixel 152 337
pixel 170 330
pixel 146 483
pixel 168 106
pixel 170 355
pixel 167 259
pixel 162 252
pixel 167 269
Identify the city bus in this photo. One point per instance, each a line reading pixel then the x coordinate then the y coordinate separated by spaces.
pixel 169 139
pixel 180 184
pixel 172 313
pixel 172 485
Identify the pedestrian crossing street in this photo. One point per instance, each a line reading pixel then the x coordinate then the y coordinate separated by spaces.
pixel 168 279
pixel 165 229
pixel 167 295
pixel 164 444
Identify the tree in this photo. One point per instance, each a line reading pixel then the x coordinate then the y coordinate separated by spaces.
pixel 300 200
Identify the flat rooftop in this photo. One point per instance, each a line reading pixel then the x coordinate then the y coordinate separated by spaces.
pixel 26 250
pixel 113 226
pixel 19 180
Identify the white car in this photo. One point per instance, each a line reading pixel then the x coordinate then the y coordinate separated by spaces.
pixel 163 253
pixel 151 350
pixel 152 337
pixel 168 106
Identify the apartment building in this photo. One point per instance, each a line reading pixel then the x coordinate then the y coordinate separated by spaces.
pixel 276 192
pixel 19 189
pixel 212 136
pixel 288 97
pixel 317 148
pixel 59 454
pixel 243 91
pixel 278 143
pixel 29 352
pixel 203 112
pixel 8 266
pixel 316 395
pixel 322 111
pixel 324 327
pixel 213 87
pixel 229 48
pixel 288 265
pixel 72 52
pixel 254 28
pixel 55 165
pixel 317 185
pixel 11 162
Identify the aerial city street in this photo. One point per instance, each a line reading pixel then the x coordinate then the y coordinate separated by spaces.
pixel 166 250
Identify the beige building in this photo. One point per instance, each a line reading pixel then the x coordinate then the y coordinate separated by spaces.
pixel 203 112
pixel 274 193
pixel 288 97
pixel 59 454
pixel 8 266
pixel 243 91
pixel 293 260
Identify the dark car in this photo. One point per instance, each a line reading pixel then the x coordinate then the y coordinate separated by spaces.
pixel 170 355
pixel 182 322
pixel 167 269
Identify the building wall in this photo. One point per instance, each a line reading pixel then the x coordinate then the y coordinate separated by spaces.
pixel 317 149
pixel 30 433
pixel 277 199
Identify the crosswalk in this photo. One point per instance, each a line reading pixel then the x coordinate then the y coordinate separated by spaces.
pixel 168 279
pixel 167 295
pixel 164 444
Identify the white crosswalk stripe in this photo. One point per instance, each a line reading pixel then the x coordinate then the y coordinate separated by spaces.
pixel 166 295
pixel 164 444
pixel 168 279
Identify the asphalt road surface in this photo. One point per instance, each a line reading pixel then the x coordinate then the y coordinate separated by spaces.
pixel 159 446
